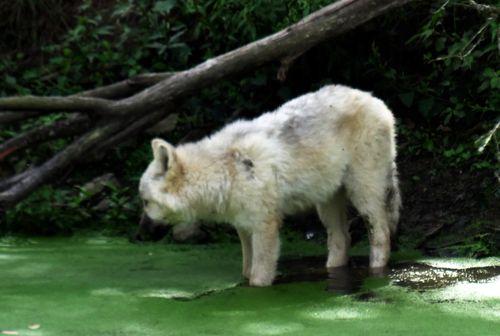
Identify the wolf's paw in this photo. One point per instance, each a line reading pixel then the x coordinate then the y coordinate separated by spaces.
pixel 337 260
pixel 261 280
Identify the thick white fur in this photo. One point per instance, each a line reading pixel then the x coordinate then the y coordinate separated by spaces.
pixel 319 149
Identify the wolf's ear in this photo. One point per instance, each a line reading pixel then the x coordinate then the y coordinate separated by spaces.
pixel 164 153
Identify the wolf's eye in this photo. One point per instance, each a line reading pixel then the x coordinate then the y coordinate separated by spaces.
pixel 145 203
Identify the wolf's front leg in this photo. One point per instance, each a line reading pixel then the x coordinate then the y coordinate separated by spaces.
pixel 265 249
pixel 246 252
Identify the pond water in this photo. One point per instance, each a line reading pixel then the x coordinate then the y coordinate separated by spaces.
pixel 103 286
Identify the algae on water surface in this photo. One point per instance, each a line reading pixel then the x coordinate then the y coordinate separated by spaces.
pixel 101 286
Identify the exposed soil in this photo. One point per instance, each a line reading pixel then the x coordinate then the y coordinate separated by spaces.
pixel 446 206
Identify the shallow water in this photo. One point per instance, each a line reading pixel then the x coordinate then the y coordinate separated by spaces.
pixel 100 286
pixel 419 275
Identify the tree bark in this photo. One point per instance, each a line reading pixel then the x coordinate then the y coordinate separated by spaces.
pixel 131 106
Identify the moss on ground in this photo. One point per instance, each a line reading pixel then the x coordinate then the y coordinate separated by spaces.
pixel 100 286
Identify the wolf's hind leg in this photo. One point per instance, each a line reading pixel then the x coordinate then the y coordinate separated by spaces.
pixel 246 251
pixel 265 253
pixel 367 192
pixel 333 216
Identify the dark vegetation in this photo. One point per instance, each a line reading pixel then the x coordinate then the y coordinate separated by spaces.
pixel 434 62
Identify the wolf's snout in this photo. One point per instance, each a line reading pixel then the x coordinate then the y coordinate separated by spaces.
pixel 149 230
pixel 144 228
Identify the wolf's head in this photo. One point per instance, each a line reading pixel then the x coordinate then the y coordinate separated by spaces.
pixel 160 186
pixel 189 183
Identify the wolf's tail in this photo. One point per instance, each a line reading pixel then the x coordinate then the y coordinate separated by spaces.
pixel 393 199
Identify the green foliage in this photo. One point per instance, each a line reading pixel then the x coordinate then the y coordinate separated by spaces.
pixel 477 242
pixel 453 86
pixel 477 246
pixel 461 63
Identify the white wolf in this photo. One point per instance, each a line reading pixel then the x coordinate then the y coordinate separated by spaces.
pixel 319 149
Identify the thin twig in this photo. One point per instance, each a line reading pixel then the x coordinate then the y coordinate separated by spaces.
pixel 482 8
pixel 462 54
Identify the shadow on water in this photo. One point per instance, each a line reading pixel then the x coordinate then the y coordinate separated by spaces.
pixel 352 278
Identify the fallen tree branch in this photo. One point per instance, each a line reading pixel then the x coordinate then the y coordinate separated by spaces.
pixel 10 181
pixel 10 117
pixel 127 87
pixel 74 125
pixel 117 90
pixel 52 104
pixel 130 131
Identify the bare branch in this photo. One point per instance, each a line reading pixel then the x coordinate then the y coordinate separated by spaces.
pixel 10 181
pixel 10 117
pixel 133 129
pixel 71 103
pixel 482 8
pixel 286 63
pixel 167 124
pixel 117 90
pixel 469 46
pixel 74 125
pixel 126 87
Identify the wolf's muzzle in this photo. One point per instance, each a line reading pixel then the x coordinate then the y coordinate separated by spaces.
pixel 150 230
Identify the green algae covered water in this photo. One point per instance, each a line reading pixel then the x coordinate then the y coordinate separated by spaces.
pixel 101 286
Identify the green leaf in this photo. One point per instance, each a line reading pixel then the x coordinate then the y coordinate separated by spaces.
pixel 449 153
pixel 30 74
pixel 495 83
pixel 10 80
pixel 164 7
pixel 440 44
pixel 407 98
pixel 105 30
pixel 429 144
pixel 259 79
pixel 425 105
pixel 122 9
pixel 489 72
